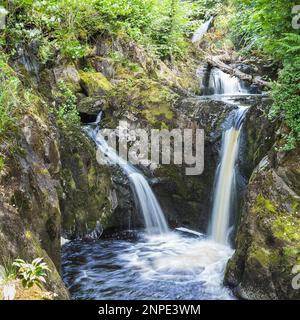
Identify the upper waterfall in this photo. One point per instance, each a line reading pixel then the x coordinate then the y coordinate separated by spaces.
pixel 225 179
pixel 223 83
pixel 199 33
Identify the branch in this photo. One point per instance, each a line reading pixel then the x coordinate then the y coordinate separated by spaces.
pixel 215 62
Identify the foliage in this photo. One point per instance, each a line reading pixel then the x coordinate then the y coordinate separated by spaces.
pixel 262 24
pixel 8 272
pixel 66 110
pixel 204 9
pixel 71 26
pixel 265 27
pixel 9 97
pixel 287 101
pixel 33 273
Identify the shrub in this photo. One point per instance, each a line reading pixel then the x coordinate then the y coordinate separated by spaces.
pixel 66 100
pixel 287 101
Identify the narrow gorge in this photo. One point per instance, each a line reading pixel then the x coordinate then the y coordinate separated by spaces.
pixel 111 229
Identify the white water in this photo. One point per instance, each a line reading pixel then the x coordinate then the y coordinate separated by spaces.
pixel 222 83
pixel 225 187
pixel 155 221
pixel 184 260
pixel 199 33
pixel 169 266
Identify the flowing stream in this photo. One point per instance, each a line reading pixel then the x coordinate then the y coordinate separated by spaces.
pixel 160 263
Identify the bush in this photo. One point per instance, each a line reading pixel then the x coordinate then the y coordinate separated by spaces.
pixel 265 27
pixel 66 105
pixel 287 101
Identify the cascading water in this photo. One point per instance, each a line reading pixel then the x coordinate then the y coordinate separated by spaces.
pixel 225 186
pixel 222 83
pixel 200 32
pixel 180 264
pixel 155 221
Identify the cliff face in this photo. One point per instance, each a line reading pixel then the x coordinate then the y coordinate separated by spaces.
pixel 267 241
pixel 51 186
pixel 30 219
pixel 51 183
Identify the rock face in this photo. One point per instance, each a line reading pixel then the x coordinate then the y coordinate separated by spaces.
pixel 30 218
pixel 86 185
pixel 186 200
pixel 267 241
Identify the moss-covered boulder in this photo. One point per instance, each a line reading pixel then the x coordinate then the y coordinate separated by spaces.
pixel 94 83
pixel 147 100
pixel 268 238
pixel 68 74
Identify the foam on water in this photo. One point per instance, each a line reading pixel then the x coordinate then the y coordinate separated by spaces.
pixel 168 266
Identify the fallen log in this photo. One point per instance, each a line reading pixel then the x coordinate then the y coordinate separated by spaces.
pixel 215 62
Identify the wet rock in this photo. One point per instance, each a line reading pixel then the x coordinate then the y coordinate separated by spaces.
pixel 203 74
pixel 86 185
pixel 268 236
pixel 246 68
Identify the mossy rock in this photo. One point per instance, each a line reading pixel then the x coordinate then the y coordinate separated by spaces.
pixel 148 99
pixel 68 74
pixel 94 83
pixel 86 185
pixel 91 105
pixel 268 238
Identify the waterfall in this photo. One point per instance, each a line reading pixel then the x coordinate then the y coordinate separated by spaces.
pixel 199 33
pixel 155 221
pixel 225 190
pixel 225 185
pixel 222 83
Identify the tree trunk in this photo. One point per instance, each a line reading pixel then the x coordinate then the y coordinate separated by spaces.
pixel 215 62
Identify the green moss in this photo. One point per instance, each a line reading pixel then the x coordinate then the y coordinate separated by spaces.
pixel 262 255
pixel 79 161
pixel 147 99
pixel 264 205
pixel 1 163
pixel 28 234
pixel 292 253
pixel 92 176
pixel 295 206
pixel 68 179
pixel 287 227
pixel 94 83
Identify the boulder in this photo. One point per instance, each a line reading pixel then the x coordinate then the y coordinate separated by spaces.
pixel 94 83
